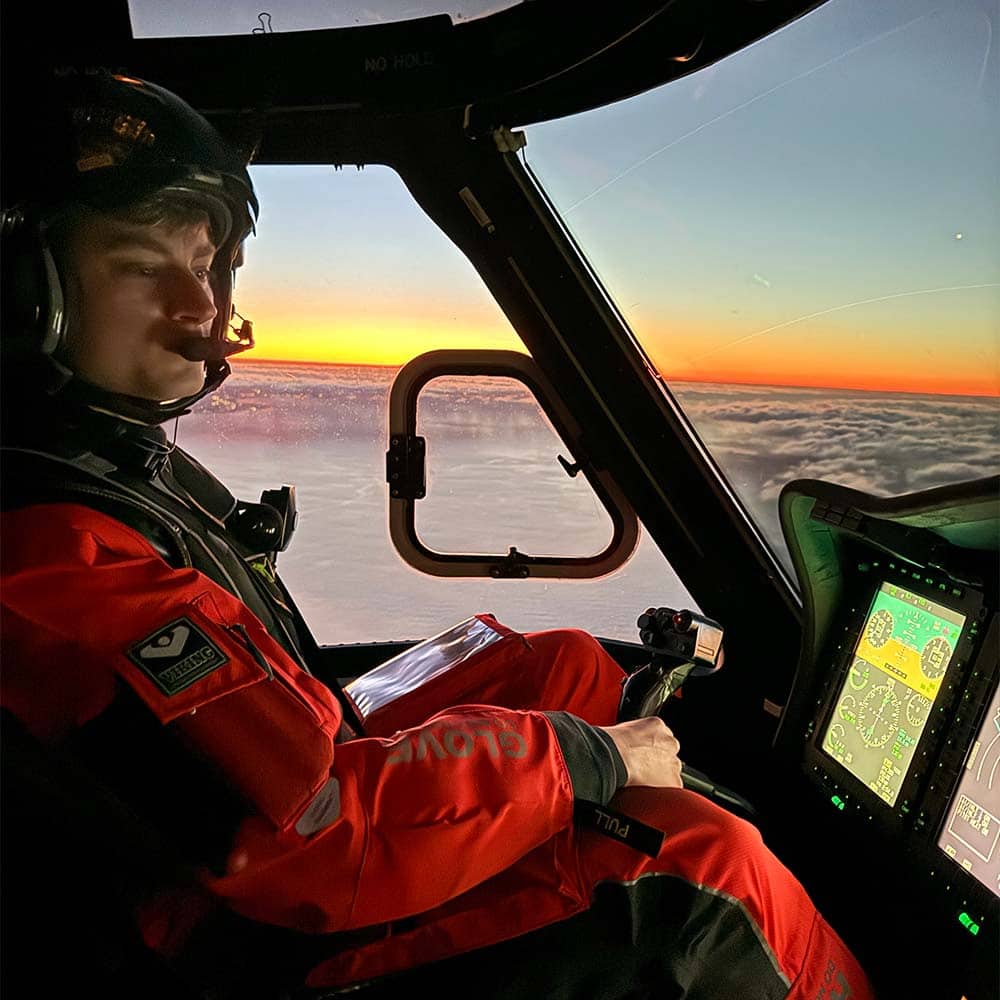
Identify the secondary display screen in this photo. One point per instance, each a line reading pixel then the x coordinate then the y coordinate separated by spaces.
pixel 895 677
pixel 971 832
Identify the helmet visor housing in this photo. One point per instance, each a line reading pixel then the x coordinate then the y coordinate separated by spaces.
pixel 113 143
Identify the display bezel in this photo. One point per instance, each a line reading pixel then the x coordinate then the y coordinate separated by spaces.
pixel 917 784
pixel 888 670
pixel 988 689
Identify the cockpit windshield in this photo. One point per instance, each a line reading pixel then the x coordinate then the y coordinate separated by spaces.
pixel 803 239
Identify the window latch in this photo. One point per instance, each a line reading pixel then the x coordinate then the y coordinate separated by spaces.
pixel 571 468
pixel 404 467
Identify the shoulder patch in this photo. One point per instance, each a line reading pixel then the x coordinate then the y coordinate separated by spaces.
pixel 176 656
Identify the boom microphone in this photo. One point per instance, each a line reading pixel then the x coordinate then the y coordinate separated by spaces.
pixel 216 348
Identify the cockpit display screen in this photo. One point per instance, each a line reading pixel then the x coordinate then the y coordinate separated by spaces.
pixel 971 832
pixel 895 676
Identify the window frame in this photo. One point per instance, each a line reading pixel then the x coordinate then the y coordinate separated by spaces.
pixel 405 474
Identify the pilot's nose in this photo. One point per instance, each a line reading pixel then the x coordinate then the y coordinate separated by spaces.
pixel 191 300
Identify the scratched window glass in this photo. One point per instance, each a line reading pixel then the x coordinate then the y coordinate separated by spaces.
pixel 487 439
pixel 804 240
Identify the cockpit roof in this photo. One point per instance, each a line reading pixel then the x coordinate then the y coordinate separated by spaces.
pixel 507 64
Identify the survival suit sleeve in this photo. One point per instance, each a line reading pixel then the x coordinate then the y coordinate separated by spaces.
pixel 336 836
pixel 595 766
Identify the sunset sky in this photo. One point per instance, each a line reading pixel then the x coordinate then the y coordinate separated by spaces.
pixel 821 209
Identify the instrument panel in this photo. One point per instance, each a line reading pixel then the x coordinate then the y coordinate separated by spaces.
pixel 892 685
pixel 895 711
pixel 902 728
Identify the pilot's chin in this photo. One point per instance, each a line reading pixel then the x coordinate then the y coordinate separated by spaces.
pixel 180 388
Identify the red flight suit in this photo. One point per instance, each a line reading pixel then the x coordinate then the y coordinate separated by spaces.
pixel 450 822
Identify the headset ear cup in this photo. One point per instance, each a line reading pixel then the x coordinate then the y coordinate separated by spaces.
pixel 31 301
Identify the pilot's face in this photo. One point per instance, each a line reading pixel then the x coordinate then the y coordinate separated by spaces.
pixel 136 295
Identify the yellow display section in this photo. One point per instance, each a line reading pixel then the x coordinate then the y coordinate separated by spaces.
pixel 910 638
pixel 902 661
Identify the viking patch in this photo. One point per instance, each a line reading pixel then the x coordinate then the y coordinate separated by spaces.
pixel 176 656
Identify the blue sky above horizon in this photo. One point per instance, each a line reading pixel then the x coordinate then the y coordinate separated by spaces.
pixel 818 209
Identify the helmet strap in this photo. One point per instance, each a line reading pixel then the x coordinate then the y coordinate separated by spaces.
pixel 147 411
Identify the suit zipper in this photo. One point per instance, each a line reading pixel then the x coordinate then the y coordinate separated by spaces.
pixel 261 659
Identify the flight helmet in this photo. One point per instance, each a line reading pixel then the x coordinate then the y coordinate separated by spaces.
pixel 108 142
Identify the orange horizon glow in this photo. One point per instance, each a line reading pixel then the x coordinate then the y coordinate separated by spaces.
pixel 877 350
pixel 985 388
pixel 891 362
pixel 902 357
pixel 392 335
pixel 922 383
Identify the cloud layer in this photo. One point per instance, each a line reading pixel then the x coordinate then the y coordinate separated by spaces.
pixel 495 480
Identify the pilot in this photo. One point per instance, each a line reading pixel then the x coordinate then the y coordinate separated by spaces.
pixel 495 826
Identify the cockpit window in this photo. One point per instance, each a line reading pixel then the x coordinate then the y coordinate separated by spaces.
pixel 804 240
pixel 188 18
pixel 345 281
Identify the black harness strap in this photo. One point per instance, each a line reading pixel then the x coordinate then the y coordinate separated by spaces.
pixel 185 521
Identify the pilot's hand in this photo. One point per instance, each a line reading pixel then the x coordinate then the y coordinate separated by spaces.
pixel 649 750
